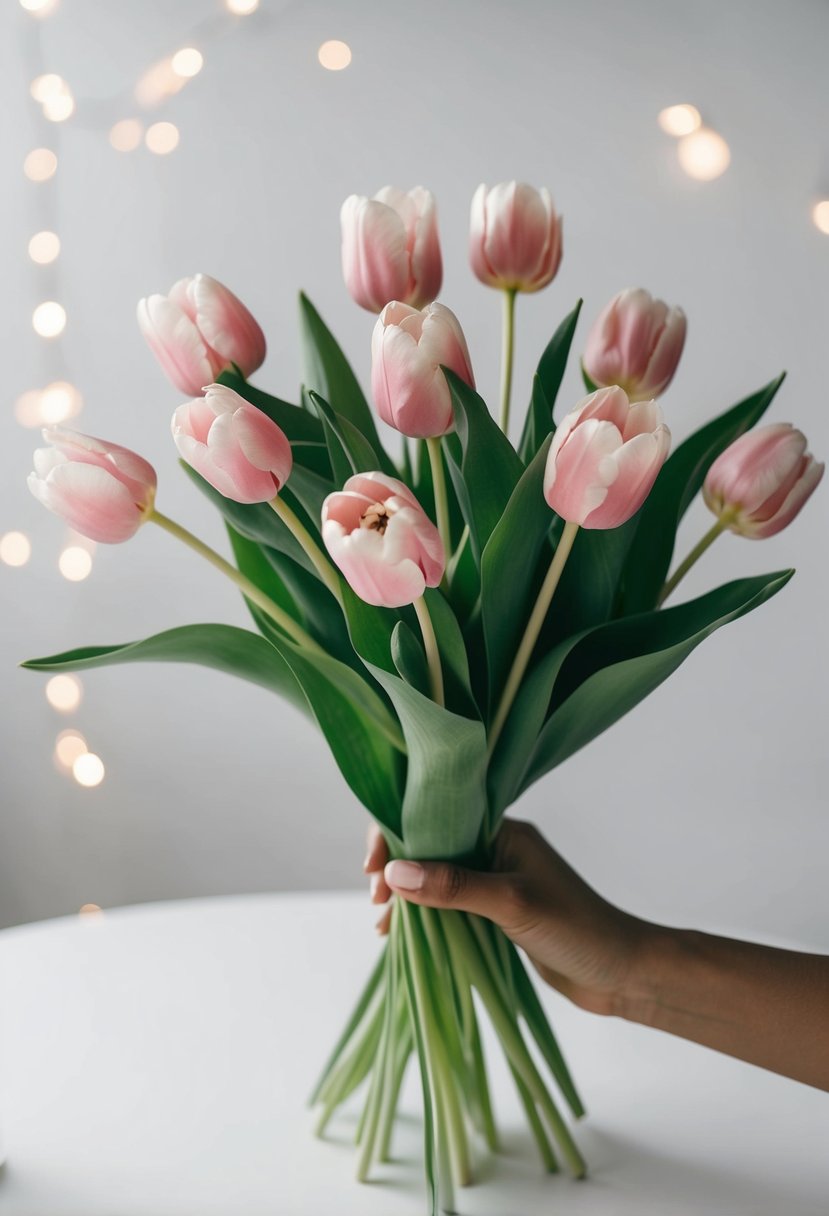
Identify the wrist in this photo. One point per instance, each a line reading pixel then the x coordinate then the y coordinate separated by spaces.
pixel 657 953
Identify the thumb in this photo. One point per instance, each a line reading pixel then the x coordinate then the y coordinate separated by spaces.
pixel 440 884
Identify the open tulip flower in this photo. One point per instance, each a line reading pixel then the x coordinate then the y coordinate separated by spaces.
pixel 390 248
pixel 102 490
pixel 459 621
pixel 635 342
pixel 382 540
pixel 197 330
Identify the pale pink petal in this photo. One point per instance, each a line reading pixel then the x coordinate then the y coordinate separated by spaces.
pixel 638 462
pixel 176 343
pixel 374 253
pixel 579 473
pixel 227 327
pixel 802 489
pixel 90 500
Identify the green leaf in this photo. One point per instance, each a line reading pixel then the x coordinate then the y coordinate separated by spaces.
pixel 679 481
pixel 588 383
pixel 223 647
pixel 453 656
pixel 489 468
pixel 370 629
pixel 444 801
pixel 302 429
pixel 328 373
pixel 409 658
pixel 253 563
pixel 359 454
pixel 547 381
pixel 612 668
pixel 509 560
pixel 588 593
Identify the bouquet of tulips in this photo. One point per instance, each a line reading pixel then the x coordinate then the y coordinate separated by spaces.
pixel 459 617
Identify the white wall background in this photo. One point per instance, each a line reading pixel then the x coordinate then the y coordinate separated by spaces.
pixel 705 806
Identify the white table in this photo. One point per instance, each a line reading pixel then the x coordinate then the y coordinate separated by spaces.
pixel 156 1062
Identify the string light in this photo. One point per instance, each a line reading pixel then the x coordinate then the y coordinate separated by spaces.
pixel 40 164
pixel 46 86
pixel 75 563
pixel 49 319
pixel 679 120
pixel 39 8
pixel 88 770
pixel 704 154
pixel 334 55
pixel 187 62
pixel 68 746
pixel 15 549
pixel 64 693
pixel 44 247
pixel 162 137
pixel 59 108
pixel 58 401
pixel 820 216
pixel 241 8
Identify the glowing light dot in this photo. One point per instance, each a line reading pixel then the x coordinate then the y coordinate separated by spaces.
pixel 88 770
pixel 15 549
pixel 334 55
pixel 59 108
pixel 44 247
pixel 126 135
pixel 242 8
pixel 704 154
pixel 40 164
pixel 58 401
pixel 679 120
pixel 64 693
pixel 187 62
pixel 49 319
pixel 40 8
pixel 162 137
pixel 90 911
pixel 68 746
pixel 46 86
pixel 75 563
pixel 820 215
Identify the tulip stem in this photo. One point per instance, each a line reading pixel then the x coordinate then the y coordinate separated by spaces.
pixel 696 553
pixel 528 641
pixel 507 350
pixel 430 644
pixel 312 550
pixel 251 592
pixel 441 499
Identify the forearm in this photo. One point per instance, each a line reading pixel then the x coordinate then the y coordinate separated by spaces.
pixel 766 1006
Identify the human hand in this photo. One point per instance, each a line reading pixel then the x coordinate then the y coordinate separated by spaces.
pixel 578 942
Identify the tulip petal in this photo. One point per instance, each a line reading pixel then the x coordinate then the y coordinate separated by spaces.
pixel 176 343
pixel 91 500
pixel 226 326
pixel 578 475
pixel 638 462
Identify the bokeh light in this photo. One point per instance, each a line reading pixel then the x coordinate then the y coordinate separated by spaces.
pixel 88 770
pixel 75 563
pixel 241 8
pixel 46 86
pixel 59 108
pixel 334 55
pixel 49 319
pixel 15 549
pixel 90 912
pixel 820 215
pixel 187 62
pixel 126 135
pixel 40 164
pixel 68 746
pixel 704 154
pixel 679 120
pixel 162 137
pixel 39 8
pixel 64 693
pixel 44 247
pixel 58 401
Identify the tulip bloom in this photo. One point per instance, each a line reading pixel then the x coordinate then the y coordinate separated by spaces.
pixel 390 248
pixel 382 540
pixel 604 459
pixel 233 445
pixel 407 350
pixel 198 330
pixel 103 491
pixel 636 343
pixel 759 484
pixel 514 237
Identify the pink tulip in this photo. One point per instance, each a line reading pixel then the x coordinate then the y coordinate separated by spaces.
pixel 382 540
pixel 636 343
pixel 198 330
pixel 102 490
pixel 407 350
pixel 762 480
pixel 391 249
pixel 233 445
pixel 604 458
pixel 514 237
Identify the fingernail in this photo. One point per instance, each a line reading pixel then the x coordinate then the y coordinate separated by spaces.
pixel 405 875
pixel 374 886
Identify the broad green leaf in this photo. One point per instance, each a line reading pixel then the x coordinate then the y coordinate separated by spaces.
pixel 341 466
pixel 302 429
pixel 489 467
pixel 509 560
pixel 370 629
pixel 321 613
pixel 409 658
pixel 615 666
pixel 444 801
pixel 547 381
pixel 328 373
pixel 588 383
pixel 678 483
pixel 358 451
pixel 588 593
pixel 224 647
pixel 253 563
pixel 453 656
